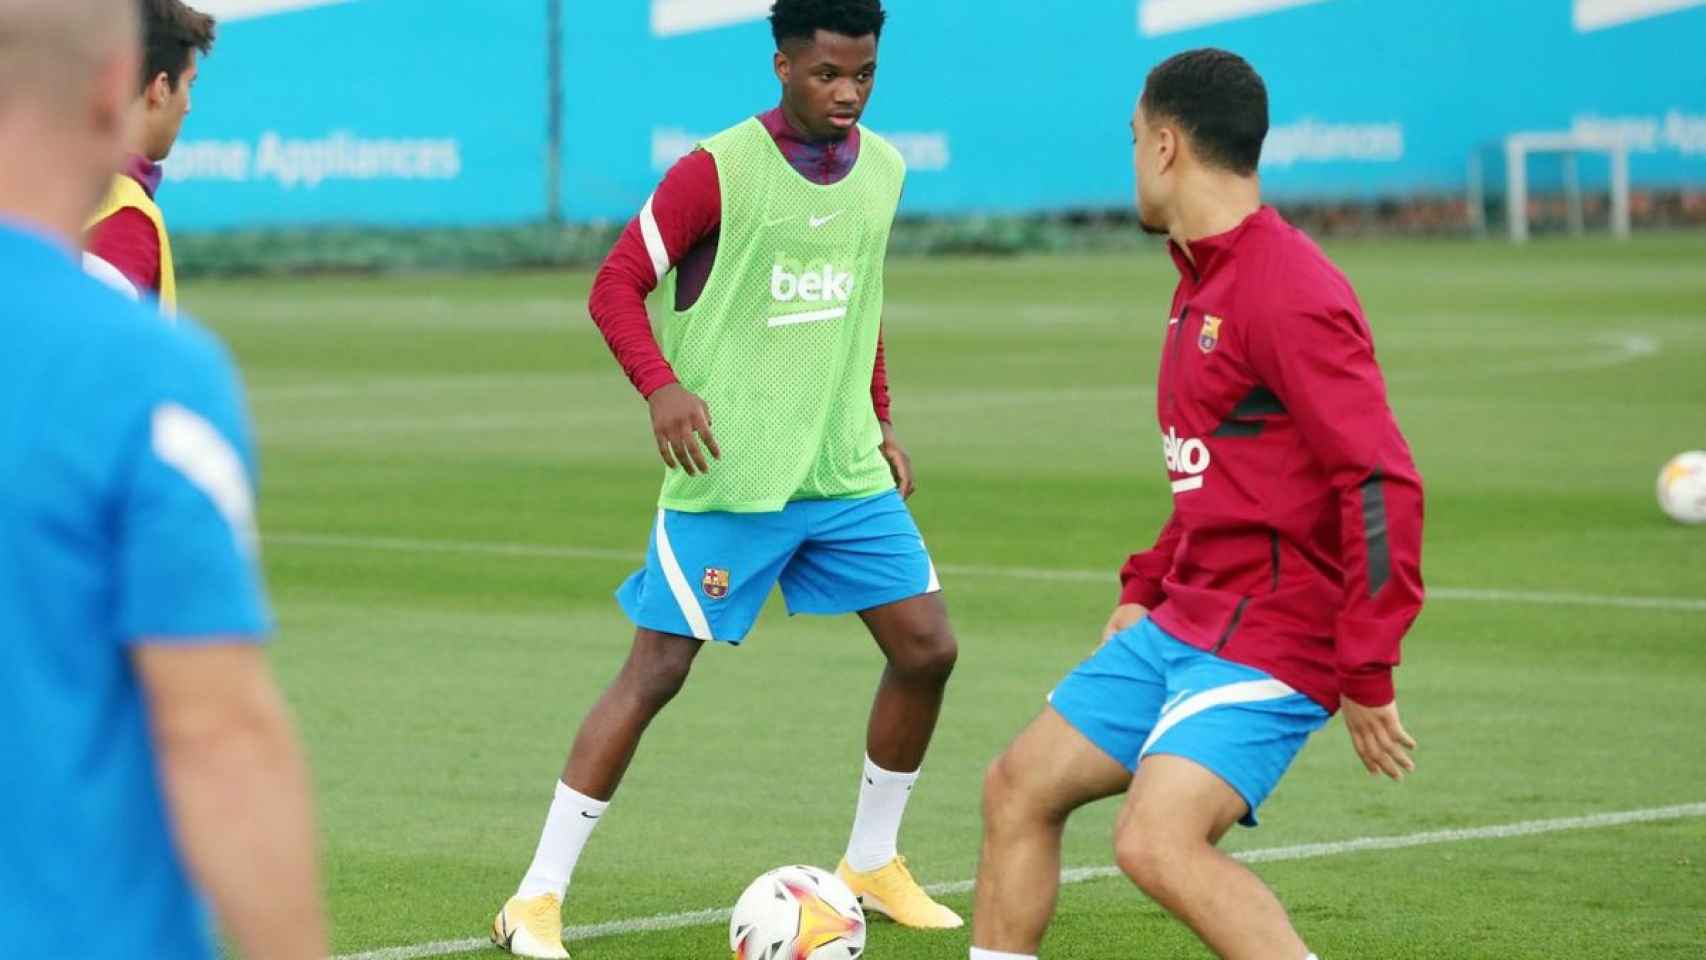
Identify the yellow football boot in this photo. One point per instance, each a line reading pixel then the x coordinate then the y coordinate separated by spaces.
pixel 531 927
pixel 891 891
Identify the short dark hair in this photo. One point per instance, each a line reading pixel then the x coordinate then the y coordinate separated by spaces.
pixel 170 30
pixel 1220 102
pixel 797 20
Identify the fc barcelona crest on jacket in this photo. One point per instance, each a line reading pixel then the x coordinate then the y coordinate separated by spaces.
pixel 1210 336
pixel 716 583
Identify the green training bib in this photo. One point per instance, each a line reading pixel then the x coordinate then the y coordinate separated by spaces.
pixel 782 343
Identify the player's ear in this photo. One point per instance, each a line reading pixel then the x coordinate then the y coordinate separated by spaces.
pixel 1167 146
pixel 159 89
pixel 783 67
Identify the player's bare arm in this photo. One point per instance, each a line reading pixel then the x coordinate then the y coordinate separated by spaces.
pixel 237 782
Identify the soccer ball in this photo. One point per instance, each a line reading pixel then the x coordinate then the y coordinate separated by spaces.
pixel 797 913
pixel 1682 487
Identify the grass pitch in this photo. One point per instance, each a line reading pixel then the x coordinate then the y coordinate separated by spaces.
pixel 456 476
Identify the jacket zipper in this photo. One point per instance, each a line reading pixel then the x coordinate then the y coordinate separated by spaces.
pixel 1274 545
pixel 1243 602
pixel 1173 371
pixel 1231 628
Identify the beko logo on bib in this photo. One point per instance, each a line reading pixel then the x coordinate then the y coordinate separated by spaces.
pixel 1189 456
pixel 813 286
pixel 827 285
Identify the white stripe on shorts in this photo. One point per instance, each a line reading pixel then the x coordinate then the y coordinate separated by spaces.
pixel 1249 691
pixel 679 586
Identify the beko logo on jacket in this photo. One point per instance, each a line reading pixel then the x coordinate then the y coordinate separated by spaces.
pixel 1189 456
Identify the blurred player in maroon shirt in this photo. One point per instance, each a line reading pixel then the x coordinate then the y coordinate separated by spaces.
pixel 128 231
pixel 1277 591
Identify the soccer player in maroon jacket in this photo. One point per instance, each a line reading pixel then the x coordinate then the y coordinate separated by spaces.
pixel 1278 590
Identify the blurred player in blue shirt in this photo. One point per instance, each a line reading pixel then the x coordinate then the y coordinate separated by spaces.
pixel 148 757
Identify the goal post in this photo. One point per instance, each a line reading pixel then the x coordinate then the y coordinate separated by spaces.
pixel 1518 147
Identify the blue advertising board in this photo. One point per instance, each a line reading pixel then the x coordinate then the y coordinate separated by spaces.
pixel 408 112
pixel 388 112
pixel 1021 106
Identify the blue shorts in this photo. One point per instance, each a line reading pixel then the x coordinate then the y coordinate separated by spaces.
pixel 1144 692
pixel 707 575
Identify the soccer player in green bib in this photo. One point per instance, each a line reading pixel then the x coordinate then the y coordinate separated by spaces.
pixel 771 237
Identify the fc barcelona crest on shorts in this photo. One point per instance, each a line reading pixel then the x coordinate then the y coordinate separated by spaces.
pixel 1210 336
pixel 716 583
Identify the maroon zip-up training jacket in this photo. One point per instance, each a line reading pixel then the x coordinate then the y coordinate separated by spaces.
pixel 1295 541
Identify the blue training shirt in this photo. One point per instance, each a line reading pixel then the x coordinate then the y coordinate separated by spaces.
pixel 126 518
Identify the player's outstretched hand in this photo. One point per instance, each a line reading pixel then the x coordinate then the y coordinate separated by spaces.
pixel 1125 615
pixel 899 463
pixel 682 425
pixel 1380 739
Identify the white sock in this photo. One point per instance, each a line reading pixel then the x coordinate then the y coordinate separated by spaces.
pixel 1312 957
pixel 567 827
pixel 977 954
pixel 876 825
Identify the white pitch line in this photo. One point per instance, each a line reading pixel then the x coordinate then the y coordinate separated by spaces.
pixel 1569 599
pixel 1614 350
pixel 431 385
pixel 402 545
pixel 437 948
pixel 1619 349
pixel 1032 574
pixel 1303 851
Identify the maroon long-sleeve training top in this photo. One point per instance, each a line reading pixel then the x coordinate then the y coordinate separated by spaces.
pixel 128 239
pixel 678 229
